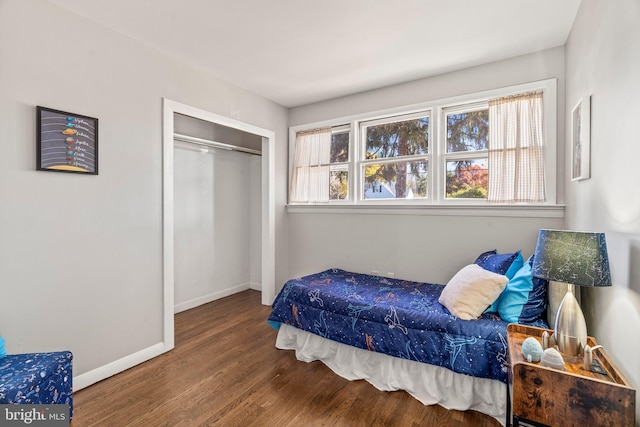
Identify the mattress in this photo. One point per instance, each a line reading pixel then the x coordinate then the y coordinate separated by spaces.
pixel 395 317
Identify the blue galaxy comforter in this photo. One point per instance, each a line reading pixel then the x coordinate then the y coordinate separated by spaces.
pixel 396 317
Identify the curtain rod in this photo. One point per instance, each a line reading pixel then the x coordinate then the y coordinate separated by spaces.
pixel 214 144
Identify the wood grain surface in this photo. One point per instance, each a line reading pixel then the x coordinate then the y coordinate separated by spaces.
pixel 575 397
pixel 226 371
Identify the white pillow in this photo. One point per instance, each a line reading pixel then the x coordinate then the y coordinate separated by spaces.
pixel 471 291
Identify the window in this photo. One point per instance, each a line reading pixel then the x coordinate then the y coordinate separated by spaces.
pixel 467 147
pixel 396 158
pixel 321 166
pixel 492 148
pixel 339 163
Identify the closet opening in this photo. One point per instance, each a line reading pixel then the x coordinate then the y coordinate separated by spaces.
pixel 218 210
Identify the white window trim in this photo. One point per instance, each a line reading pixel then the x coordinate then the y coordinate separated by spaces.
pixel 436 204
pixel 519 211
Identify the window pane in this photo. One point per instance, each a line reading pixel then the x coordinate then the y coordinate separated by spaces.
pixel 339 185
pixel 467 179
pixel 401 180
pixel 405 138
pixel 468 131
pixel 340 147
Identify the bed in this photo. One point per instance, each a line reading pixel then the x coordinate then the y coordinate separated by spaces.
pixel 397 335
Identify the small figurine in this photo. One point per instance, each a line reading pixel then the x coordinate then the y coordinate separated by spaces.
pixel 531 350
pixel 588 356
pixel 551 358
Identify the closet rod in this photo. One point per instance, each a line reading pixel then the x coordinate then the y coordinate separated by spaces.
pixel 214 144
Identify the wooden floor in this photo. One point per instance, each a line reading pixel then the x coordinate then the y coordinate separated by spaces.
pixel 226 371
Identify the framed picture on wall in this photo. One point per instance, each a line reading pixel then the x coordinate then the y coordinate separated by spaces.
pixel 66 142
pixel 581 140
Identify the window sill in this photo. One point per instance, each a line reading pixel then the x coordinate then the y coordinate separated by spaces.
pixel 520 211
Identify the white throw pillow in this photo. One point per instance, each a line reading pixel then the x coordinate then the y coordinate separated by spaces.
pixel 471 291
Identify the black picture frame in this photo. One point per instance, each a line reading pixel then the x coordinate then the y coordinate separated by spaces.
pixel 66 142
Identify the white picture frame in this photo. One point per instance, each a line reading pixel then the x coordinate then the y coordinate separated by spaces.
pixel 581 140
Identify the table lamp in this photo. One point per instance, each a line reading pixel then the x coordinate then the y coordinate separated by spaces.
pixel 574 258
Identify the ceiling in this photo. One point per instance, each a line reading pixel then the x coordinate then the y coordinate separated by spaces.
pixel 296 52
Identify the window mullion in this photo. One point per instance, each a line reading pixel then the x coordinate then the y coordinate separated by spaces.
pixel 437 161
pixel 467 155
pixel 338 166
pixel 355 161
pixel 394 159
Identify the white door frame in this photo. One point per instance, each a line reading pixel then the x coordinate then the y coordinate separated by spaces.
pixel 170 107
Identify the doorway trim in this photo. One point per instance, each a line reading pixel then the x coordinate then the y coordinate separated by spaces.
pixel 268 289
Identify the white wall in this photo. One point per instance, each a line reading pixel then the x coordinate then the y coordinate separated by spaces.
pixel 603 60
pixel 421 248
pixel 217 214
pixel 214 198
pixel 415 247
pixel 255 215
pixel 81 256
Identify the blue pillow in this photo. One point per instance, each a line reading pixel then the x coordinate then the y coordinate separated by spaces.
pixel 524 299
pixel 505 264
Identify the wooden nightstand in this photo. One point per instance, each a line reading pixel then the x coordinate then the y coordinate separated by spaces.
pixel 542 396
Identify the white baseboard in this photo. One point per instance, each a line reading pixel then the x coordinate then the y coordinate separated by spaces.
pixel 120 365
pixel 210 297
pixel 110 369
pixel 256 286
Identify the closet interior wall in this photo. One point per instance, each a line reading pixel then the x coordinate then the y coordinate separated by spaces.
pixel 217 214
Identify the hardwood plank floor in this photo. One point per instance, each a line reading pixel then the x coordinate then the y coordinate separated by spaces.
pixel 226 371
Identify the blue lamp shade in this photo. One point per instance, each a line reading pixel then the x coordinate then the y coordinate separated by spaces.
pixel 574 257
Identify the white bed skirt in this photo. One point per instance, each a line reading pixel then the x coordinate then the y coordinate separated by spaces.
pixel 428 383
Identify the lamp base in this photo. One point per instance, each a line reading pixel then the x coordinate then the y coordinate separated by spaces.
pixel 570 330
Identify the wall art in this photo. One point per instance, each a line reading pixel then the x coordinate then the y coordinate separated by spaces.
pixel 66 142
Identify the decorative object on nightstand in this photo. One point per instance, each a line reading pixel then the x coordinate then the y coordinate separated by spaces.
pixel 551 358
pixel 574 258
pixel 531 350
pixel 572 397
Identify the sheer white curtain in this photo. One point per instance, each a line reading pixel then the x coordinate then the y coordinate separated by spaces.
pixel 310 174
pixel 516 152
